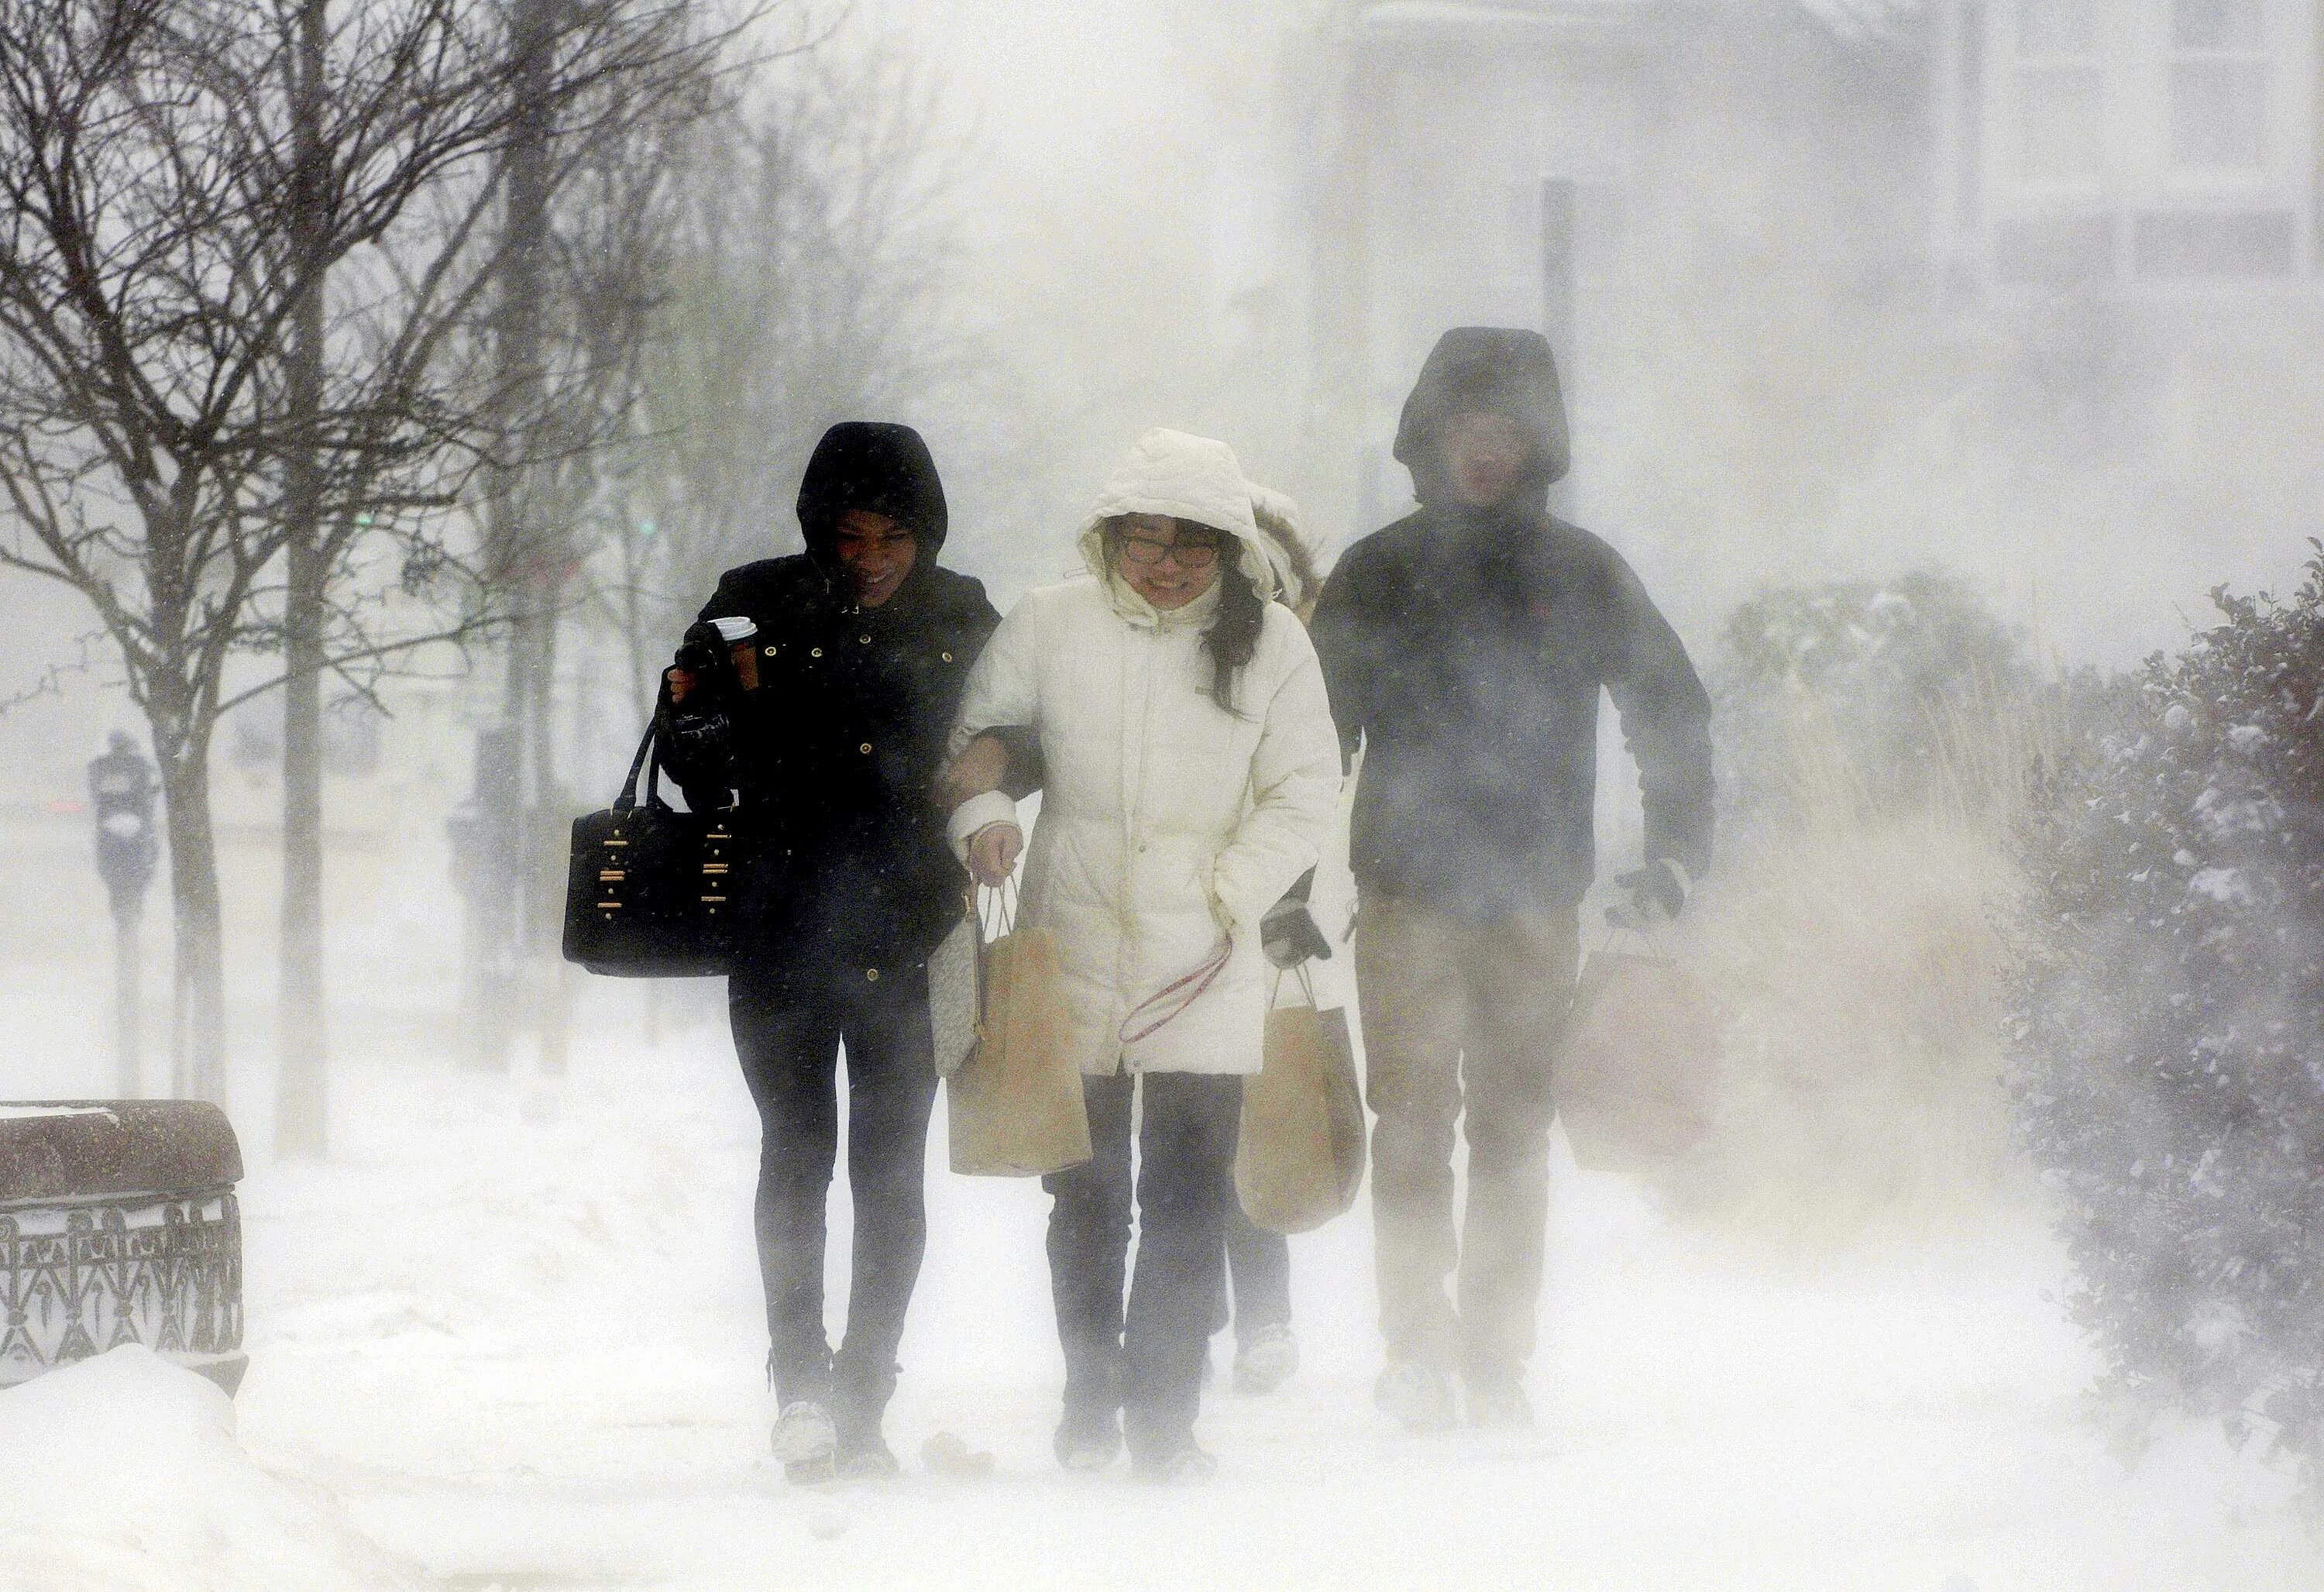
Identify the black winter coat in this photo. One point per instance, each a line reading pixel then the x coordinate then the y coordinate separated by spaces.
pixel 1465 650
pixel 835 756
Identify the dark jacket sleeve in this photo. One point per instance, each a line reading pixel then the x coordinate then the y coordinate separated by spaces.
pixel 1026 771
pixel 1665 722
pixel 1347 646
pixel 1022 742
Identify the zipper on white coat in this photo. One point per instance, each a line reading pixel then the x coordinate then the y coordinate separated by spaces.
pixel 1138 707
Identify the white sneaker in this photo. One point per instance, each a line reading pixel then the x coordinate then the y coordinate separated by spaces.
pixel 1266 1362
pixel 804 1434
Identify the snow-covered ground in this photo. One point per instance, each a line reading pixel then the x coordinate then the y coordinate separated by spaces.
pixel 511 1336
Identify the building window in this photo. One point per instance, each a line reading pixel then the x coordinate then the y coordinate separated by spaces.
pixel 2061 83
pixel 2218 84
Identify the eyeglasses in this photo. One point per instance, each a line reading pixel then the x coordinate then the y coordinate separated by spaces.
pixel 1146 551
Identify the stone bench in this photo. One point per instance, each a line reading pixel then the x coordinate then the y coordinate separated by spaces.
pixel 118 1225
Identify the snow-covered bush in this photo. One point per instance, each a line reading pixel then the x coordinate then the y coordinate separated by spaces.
pixel 1876 741
pixel 1850 696
pixel 2167 1021
pixel 1859 1093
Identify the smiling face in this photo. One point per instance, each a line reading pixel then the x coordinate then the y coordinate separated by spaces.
pixel 877 553
pixel 1485 456
pixel 1167 562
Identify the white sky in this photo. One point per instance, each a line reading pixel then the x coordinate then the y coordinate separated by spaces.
pixel 1051 86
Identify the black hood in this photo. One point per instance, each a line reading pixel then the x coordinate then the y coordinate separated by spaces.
pixel 1504 369
pixel 877 466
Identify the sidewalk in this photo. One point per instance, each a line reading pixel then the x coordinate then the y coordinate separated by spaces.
pixel 516 1329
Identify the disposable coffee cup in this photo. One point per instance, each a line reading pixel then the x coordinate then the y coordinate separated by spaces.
pixel 741 636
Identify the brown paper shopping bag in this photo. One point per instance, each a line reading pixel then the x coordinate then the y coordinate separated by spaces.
pixel 1015 1104
pixel 1301 1156
pixel 1639 1067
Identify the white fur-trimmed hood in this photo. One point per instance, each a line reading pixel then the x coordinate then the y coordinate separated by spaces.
pixel 1185 477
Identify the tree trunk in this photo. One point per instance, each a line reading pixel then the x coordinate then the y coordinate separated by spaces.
pixel 545 833
pixel 301 1095
pixel 198 955
pixel 301 1098
pixel 519 556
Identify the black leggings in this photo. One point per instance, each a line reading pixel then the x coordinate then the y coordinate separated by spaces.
pixel 1259 1265
pixel 788 1032
pixel 1148 1359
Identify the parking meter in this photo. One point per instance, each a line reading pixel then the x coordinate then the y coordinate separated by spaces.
pixel 121 794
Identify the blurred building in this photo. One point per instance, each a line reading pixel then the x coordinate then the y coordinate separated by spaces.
pixel 2165 144
pixel 1801 256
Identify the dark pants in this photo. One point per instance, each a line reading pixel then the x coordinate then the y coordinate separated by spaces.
pixel 1146 1360
pixel 1258 1267
pixel 787 1031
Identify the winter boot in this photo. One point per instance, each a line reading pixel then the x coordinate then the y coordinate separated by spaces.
pixel 1088 1439
pixel 805 1441
pixel 1184 1463
pixel 1418 1394
pixel 1266 1362
pixel 865 1455
pixel 862 1450
pixel 1497 1398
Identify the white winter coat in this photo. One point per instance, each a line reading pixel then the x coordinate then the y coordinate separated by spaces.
pixel 1167 824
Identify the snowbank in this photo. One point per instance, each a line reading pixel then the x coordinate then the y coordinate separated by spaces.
pixel 123 1473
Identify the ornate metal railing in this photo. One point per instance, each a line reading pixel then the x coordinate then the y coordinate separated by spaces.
pixel 165 1272
pixel 87 1264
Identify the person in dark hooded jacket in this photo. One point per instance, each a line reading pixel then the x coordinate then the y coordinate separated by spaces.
pixel 817 692
pixel 1464 648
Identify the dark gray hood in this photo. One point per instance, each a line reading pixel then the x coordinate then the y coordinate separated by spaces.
pixel 1504 369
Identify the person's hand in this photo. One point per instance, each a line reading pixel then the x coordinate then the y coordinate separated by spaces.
pixel 1288 934
pixel 980 767
pixel 993 853
pixel 1652 896
pixel 705 664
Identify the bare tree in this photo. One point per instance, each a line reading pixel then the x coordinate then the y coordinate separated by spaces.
pixel 176 192
pixel 585 226
pixel 395 333
pixel 813 245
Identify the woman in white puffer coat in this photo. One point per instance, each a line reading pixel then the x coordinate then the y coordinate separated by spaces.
pixel 1191 773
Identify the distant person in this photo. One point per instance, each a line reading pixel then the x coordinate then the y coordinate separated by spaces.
pixel 1465 647
pixel 1191 773
pixel 1258 1303
pixel 819 688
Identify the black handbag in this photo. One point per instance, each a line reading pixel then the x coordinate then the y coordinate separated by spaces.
pixel 652 892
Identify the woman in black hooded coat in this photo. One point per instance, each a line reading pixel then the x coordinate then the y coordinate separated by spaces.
pixel 860 645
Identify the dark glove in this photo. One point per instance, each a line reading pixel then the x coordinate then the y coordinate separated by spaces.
pixel 1652 896
pixel 705 655
pixel 696 736
pixel 1288 934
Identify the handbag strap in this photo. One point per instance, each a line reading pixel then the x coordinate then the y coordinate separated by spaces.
pixel 1307 983
pixel 627 801
pixel 1000 916
pixel 1173 998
